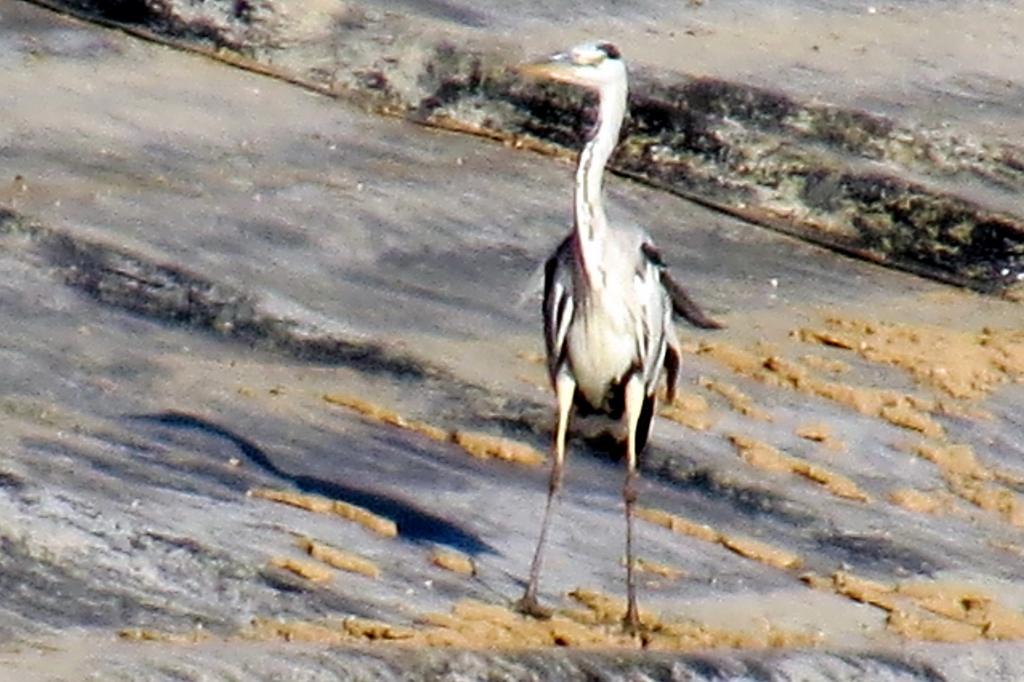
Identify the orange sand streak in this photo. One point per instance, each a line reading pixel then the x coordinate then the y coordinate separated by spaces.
pixel 332 556
pixel 453 561
pixel 898 408
pixel 323 505
pixel 737 399
pixel 480 445
pixel 930 611
pixel 303 569
pixel 745 547
pixel 961 364
pixel 764 456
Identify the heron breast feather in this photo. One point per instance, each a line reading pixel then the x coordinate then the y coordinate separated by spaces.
pixel 600 352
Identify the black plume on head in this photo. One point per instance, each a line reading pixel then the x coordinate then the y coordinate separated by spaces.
pixel 609 50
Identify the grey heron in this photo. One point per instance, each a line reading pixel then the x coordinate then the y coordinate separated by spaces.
pixel 608 304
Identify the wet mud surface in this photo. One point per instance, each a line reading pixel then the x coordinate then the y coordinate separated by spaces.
pixel 274 408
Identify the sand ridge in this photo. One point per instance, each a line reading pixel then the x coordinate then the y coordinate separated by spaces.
pixel 929 610
pixel 764 456
pixel 898 408
pixel 478 444
pixel 323 505
pixel 595 624
pixel 961 364
pixel 749 548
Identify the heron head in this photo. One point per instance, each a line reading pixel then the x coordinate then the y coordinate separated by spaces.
pixel 591 65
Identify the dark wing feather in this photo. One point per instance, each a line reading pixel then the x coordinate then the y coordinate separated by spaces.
pixel 673 363
pixel 682 304
pixel 558 303
pixel 685 306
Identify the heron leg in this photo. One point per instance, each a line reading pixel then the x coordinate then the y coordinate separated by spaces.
pixel 634 399
pixel 565 388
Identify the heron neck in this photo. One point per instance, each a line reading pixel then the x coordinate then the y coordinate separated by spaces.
pixel 591 223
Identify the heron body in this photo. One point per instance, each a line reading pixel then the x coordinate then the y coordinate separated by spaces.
pixel 608 304
pixel 607 338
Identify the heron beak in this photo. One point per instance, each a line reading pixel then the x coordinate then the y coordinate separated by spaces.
pixel 557 68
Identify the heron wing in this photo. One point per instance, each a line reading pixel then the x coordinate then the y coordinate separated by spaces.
pixel 682 304
pixel 655 337
pixel 655 317
pixel 669 355
pixel 558 304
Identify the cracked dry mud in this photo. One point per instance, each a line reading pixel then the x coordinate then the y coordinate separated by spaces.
pixel 273 410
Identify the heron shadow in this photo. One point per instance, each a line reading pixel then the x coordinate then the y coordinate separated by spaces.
pixel 414 524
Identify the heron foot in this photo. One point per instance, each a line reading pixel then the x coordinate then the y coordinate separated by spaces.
pixel 631 624
pixel 529 606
